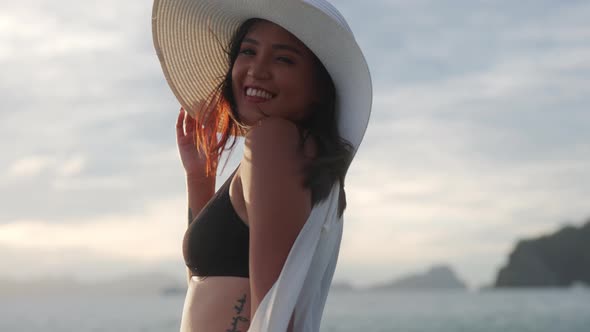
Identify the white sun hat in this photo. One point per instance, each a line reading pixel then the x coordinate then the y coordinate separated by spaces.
pixel 190 37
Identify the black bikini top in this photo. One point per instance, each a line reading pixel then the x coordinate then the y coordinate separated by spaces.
pixel 216 242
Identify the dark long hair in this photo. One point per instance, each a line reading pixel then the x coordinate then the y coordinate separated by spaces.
pixel 334 152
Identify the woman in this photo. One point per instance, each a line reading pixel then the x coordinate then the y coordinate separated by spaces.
pixel 261 251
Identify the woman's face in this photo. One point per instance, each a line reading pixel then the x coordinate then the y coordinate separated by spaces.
pixel 273 75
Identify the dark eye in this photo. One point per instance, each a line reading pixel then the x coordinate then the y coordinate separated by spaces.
pixel 285 60
pixel 247 51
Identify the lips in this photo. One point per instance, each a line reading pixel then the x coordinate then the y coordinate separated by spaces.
pixel 255 100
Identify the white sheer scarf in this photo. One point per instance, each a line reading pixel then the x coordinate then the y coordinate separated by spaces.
pixel 303 285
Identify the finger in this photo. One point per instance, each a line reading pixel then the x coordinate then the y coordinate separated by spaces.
pixel 190 123
pixel 187 118
pixel 179 122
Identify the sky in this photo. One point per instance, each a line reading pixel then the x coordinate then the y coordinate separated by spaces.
pixel 479 136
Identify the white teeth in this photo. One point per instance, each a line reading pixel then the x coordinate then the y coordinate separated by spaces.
pixel 258 93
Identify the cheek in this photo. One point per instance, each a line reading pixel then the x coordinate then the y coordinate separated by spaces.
pixel 300 85
pixel 234 74
pixel 298 98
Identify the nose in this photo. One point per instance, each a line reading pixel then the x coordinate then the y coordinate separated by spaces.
pixel 258 70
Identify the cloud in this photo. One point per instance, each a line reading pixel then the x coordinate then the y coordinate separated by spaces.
pixel 102 247
pixel 73 166
pixel 29 166
pixel 93 118
pixel 35 165
pixel 478 135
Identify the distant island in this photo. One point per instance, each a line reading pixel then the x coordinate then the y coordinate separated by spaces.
pixel 561 259
pixel 138 284
pixel 439 277
pixel 156 283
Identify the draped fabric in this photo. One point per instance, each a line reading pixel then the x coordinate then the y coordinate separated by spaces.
pixel 302 287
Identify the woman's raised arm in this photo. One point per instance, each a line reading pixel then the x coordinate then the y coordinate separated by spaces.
pixel 200 188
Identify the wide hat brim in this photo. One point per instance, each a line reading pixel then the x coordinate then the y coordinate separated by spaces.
pixel 190 37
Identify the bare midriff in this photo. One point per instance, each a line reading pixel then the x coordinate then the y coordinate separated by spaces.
pixel 216 304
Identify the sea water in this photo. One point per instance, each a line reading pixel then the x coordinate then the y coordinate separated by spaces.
pixel 554 310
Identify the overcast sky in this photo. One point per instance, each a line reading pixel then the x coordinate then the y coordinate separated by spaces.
pixel 479 136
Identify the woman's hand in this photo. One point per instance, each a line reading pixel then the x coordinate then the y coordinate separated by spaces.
pixel 193 161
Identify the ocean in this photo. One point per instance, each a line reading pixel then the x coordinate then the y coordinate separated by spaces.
pixel 549 310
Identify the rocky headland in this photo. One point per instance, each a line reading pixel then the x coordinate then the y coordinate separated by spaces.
pixel 560 259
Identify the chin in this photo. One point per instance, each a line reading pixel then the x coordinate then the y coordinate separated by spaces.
pixel 250 114
pixel 251 117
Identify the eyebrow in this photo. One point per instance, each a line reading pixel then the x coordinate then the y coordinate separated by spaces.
pixel 275 46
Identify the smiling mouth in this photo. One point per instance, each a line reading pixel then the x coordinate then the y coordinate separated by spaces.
pixel 257 95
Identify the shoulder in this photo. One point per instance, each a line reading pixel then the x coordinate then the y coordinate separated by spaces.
pixel 280 139
pixel 272 133
pixel 273 177
pixel 273 161
pixel 274 141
